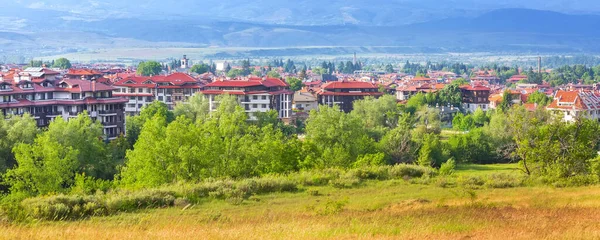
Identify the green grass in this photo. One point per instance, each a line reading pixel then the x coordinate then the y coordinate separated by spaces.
pixel 391 209
pixel 482 170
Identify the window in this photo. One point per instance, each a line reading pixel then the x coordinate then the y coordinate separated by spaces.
pixel 132 98
pixel 140 105
pixel 263 97
pixel 140 90
pixel 160 98
pixel 168 98
pixel 131 90
pixel 254 105
pixel 75 95
pixel 130 105
pixel 140 98
pixel 254 97
pixel 264 106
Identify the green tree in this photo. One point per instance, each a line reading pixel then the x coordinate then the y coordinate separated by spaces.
pixel 377 114
pixel 273 74
pixel 479 117
pixel 200 68
pixel 540 98
pixel 389 68
pixel 43 167
pixel 150 68
pixel 196 108
pixel 431 153
pixel 15 130
pixel 506 101
pixel 233 73
pixel 295 83
pixel 62 63
pixel 134 123
pixel 334 139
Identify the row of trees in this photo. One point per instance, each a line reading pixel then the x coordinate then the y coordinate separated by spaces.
pixel 192 143
pixel 61 63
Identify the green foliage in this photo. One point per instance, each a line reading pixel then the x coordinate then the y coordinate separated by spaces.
pixel 273 74
pixel 334 138
pixel 196 108
pixel 540 98
pixel 431 152
pixel 377 115
pixel 62 63
pixel 51 162
pixel 200 68
pixel 448 167
pixel 134 124
pixel 398 144
pixel 150 68
pixel 233 73
pixel 295 83
pixel 16 130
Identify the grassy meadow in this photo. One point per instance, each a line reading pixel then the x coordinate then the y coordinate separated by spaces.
pixel 390 209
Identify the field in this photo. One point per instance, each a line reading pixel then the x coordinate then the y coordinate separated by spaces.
pixel 394 209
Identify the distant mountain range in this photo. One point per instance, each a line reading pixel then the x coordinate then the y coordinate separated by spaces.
pixel 46 30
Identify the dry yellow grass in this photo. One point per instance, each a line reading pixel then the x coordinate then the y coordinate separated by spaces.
pixel 379 210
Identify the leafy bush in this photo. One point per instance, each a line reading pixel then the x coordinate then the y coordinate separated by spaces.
pixel 503 180
pixel 346 181
pixel 409 171
pixel 131 201
pixel 447 168
pixel 62 207
pixel 471 181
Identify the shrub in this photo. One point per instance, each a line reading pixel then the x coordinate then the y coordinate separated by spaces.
pixel 131 201
pixel 316 178
pixel 380 173
pixel 409 171
pixel 346 181
pixel 471 181
pixel 62 207
pixel 503 180
pixel 447 168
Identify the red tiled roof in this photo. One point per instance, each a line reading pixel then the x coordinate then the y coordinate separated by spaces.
pixel 575 100
pixel 422 79
pixel 349 85
pixel 351 93
pixel 475 88
pixel 83 72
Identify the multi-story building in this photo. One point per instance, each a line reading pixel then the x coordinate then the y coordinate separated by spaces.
pixel 305 101
pixel 573 104
pixel 474 97
pixel 343 93
pixel 254 95
pixel 67 98
pixel 142 91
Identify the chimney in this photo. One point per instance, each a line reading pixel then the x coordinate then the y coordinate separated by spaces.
pixel 93 85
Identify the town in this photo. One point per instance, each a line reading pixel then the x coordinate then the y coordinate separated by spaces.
pixel 109 93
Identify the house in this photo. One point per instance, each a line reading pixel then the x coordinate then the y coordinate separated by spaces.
pixel 570 105
pixel 343 93
pixel 67 98
pixel 141 91
pixel 475 96
pixel 305 101
pixel 254 95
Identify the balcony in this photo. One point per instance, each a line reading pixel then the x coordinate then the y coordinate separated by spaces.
pixel 110 124
pixel 108 112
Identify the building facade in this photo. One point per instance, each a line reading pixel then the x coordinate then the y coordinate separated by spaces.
pixel 570 105
pixel 46 100
pixel 344 93
pixel 474 97
pixel 254 95
pixel 142 91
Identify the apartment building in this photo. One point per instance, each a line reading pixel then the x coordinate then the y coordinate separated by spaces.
pixel 344 93
pixel 47 99
pixel 141 91
pixel 254 95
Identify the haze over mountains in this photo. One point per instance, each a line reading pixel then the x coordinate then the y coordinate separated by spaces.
pixel 48 27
